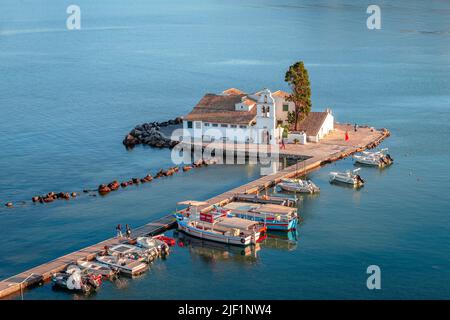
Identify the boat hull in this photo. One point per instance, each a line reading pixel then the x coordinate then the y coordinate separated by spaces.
pixel 272 224
pixel 202 234
pixel 289 188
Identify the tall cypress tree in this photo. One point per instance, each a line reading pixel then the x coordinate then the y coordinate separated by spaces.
pixel 298 79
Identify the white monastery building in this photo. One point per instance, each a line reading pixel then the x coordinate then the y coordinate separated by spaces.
pixel 235 116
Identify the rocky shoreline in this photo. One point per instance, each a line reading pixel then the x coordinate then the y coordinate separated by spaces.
pixel 151 135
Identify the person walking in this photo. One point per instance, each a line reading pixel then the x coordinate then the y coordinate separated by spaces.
pixel 283 146
pixel 119 231
pixel 128 231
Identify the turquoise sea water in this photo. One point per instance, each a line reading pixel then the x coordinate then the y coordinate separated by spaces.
pixel 67 98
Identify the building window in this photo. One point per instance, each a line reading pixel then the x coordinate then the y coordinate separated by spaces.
pixel 215 125
pixel 189 124
pixel 242 127
pixel 206 124
pixel 223 125
pixel 233 126
pixel 198 125
pixel 285 107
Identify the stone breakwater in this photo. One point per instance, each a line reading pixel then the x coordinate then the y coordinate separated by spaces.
pixel 150 134
pixel 104 189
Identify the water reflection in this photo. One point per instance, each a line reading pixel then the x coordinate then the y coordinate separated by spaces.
pixel 281 240
pixel 213 252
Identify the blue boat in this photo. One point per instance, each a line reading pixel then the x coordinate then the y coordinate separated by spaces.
pixel 275 217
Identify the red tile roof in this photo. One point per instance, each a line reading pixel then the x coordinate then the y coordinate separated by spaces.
pixel 220 109
pixel 312 123
pixel 233 92
pixel 280 93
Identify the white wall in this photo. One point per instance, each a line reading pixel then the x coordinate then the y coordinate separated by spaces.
pixel 280 114
pixel 301 137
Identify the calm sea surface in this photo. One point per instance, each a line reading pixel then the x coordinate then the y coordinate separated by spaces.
pixel 67 98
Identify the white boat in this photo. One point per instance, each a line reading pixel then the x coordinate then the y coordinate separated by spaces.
pixel 96 268
pixel 348 177
pixel 132 252
pixel 298 185
pixel 153 244
pixel 74 280
pixel 217 226
pixel 378 159
pixel 124 265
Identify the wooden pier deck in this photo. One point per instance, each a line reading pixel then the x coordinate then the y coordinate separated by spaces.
pixel 44 272
pixel 332 148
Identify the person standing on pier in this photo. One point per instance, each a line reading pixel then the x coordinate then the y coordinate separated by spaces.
pixel 128 231
pixel 119 231
pixel 283 146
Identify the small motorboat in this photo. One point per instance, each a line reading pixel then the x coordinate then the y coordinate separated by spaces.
pixel 168 240
pixel 298 185
pixel 124 265
pixel 347 177
pixel 155 244
pixel 133 252
pixel 377 159
pixel 97 268
pixel 74 280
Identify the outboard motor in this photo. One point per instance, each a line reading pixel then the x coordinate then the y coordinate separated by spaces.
pixel 358 177
pixel 388 156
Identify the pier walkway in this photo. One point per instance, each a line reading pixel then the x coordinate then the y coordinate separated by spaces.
pixel 44 272
pixel 332 148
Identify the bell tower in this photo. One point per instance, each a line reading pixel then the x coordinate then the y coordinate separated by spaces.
pixel 265 118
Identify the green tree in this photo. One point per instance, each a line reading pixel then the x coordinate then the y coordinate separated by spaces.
pixel 298 79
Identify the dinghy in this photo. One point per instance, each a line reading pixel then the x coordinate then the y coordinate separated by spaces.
pixel 124 265
pixel 73 280
pixel 347 177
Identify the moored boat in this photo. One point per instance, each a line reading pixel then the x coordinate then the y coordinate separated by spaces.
pixel 74 280
pixel 133 252
pixel 218 226
pixel 377 159
pixel 168 240
pixel 97 268
pixel 298 185
pixel 275 217
pixel 154 244
pixel 347 177
pixel 282 201
pixel 124 265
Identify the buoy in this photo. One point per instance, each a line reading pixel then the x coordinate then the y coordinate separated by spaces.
pixel 35 199
pixel 74 194
pixel 9 204
pixel 124 184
